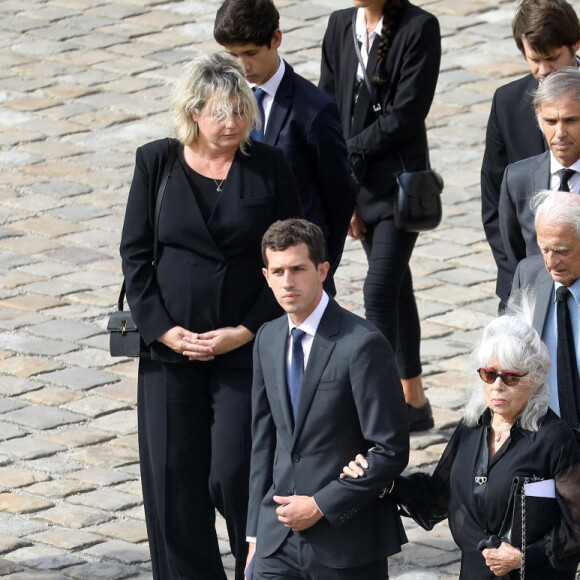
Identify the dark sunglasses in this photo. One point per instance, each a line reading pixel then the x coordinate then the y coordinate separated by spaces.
pixel 509 378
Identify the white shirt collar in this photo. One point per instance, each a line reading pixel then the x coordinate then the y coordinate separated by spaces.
pixel 310 325
pixel 361 28
pixel 556 166
pixel 272 84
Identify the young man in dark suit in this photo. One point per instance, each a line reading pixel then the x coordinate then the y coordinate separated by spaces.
pixel 297 118
pixel 325 387
pixel 547 32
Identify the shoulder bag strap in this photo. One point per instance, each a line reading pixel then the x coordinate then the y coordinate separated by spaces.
pixel 158 202
pixel 376 105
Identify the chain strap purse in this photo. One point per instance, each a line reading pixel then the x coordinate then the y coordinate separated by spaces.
pixel 418 199
pixel 124 337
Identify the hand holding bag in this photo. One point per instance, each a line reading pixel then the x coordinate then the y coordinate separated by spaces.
pixel 125 339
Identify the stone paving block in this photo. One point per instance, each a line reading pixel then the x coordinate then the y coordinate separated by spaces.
pixel 94 406
pixel 11 543
pixel 51 396
pixel 13 279
pixel 44 557
pixel 462 319
pixel 123 529
pixel 31 303
pixel 8 568
pixel 23 366
pixel 73 516
pixel 36 575
pixel 79 378
pixel 13 503
pixel 124 552
pixel 124 390
pixel 77 436
pixel 55 465
pixel 9 431
pixel 44 347
pixel 100 571
pixel 66 539
pixel 131 441
pixel 122 422
pixel 40 417
pixel 7 405
pixel 29 448
pixel 87 358
pixel 14 477
pixel 78 256
pixel 100 476
pixel 105 456
pixel 106 499
pixel 59 488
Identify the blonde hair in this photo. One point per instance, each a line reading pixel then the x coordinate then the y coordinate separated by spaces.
pixel 217 78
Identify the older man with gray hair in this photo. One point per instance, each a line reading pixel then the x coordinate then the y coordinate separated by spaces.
pixel 554 276
pixel 557 104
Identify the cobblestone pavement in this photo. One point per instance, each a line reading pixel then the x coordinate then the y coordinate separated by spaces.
pixel 82 84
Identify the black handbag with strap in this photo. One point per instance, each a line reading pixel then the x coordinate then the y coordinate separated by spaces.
pixel 418 200
pixel 124 337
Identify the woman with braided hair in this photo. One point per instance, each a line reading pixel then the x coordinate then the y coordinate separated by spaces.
pixel 400 46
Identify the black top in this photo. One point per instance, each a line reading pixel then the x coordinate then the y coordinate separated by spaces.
pixel 474 493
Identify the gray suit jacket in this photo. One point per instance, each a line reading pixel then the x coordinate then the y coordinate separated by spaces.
pixel 521 181
pixel 351 400
pixel 532 273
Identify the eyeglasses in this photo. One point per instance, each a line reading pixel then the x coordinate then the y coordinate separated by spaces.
pixel 509 378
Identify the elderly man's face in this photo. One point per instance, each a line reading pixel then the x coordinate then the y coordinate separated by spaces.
pixel 560 122
pixel 560 249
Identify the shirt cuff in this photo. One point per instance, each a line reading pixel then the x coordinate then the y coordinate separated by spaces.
pixel 250 539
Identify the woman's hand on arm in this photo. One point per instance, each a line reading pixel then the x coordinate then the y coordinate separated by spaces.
pixel 503 559
pixel 216 342
pixel 355 469
pixel 179 340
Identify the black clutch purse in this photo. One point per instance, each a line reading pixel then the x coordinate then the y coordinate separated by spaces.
pixel 124 337
pixel 418 200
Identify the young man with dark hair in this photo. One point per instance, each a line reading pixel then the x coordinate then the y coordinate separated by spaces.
pixel 297 118
pixel 547 32
pixel 325 386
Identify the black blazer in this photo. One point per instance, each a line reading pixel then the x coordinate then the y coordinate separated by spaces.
pixel 208 275
pixel 305 124
pixel 521 181
pixel 351 399
pixel 512 134
pixel 398 136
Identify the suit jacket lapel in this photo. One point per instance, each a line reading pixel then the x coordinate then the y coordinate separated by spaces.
pixel 543 296
pixel 322 347
pixel 280 348
pixel 280 107
pixel 541 173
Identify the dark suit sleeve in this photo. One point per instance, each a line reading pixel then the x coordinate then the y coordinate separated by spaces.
pixel 404 116
pixel 326 82
pixel 263 443
pixel 136 248
pixel 380 405
pixel 514 245
pixel 335 184
pixel 287 206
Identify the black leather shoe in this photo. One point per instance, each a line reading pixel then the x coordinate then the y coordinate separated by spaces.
pixel 420 418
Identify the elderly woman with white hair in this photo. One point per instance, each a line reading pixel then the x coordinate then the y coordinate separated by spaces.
pixel 507 440
pixel 198 297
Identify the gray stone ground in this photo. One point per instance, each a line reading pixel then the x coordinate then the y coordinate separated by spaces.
pixel 82 84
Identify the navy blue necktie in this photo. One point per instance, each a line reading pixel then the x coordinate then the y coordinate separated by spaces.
pixel 565 176
pixel 258 134
pixel 568 381
pixel 296 368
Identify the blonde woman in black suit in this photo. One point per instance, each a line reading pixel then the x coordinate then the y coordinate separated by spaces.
pixel 401 47
pixel 198 311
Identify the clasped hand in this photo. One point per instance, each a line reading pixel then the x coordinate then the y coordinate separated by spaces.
pixel 207 345
pixel 297 512
pixel 503 559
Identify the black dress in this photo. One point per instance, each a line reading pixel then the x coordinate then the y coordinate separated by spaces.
pixel 474 493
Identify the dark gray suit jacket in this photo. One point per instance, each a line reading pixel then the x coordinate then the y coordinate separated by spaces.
pixel 351 400
pixel 532 273
pixel 521 181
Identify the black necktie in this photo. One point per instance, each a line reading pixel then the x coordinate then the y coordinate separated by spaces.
pixel 568 381
pixel 296 368
pixel 565 176
pixel 258 134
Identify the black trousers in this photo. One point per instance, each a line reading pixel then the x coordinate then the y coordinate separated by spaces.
pixel 388 292
pixel 194 444
pixel 295 560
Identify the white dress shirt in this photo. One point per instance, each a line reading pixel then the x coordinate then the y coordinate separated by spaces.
pixel 556 167
pixel 270 87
